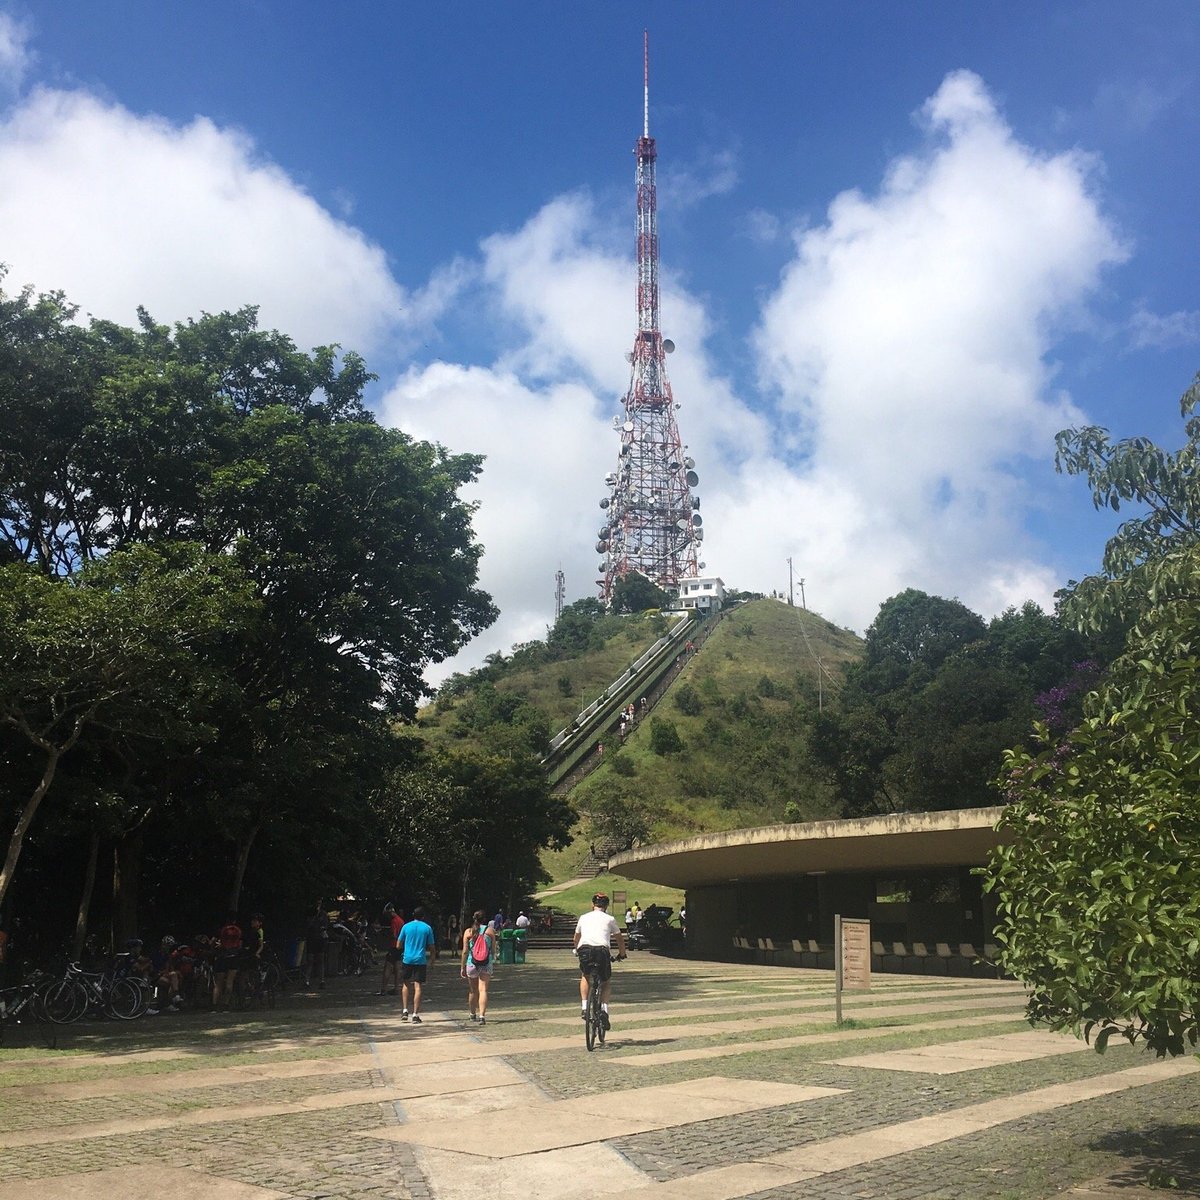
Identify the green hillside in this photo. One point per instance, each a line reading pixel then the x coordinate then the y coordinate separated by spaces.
pixel 584 653
pixel 728 744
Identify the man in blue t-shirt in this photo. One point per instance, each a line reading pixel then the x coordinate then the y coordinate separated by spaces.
pixel 417 946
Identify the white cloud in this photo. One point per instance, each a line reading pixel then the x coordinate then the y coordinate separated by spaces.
pixel 909 335
pixel 1164 331
pixel 547 451
pixel 15 55
pixel 119 210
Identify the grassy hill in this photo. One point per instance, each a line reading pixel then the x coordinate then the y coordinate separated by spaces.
pixel 727 746
pixel 558 677
pixel 736 750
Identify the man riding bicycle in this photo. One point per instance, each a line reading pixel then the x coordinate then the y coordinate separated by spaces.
pixel 594 932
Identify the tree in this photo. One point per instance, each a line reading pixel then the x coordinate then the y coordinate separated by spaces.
pixel 1099 887
pixel 355 540
pixel 120 648
pixel 635 593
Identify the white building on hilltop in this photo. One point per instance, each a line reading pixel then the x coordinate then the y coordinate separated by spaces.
pixel 705 592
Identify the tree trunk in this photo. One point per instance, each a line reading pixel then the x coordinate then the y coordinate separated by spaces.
pixel 26 819
pixel 127 867
pixel 462 907
pixel 85 899
pixel 239 870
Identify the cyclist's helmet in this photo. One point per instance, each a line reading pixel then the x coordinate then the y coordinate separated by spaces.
pixel 600 900
pixel 168 942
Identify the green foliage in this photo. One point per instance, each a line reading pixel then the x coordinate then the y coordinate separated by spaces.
pixel 1098 888
pixel 635 593
pixel 924 718
pixel 349 541
pixel 564 685
pixel 664 737
pixel 622 764
pixel 688 701
pixel 618 814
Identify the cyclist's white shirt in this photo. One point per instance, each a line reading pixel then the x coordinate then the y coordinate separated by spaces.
pixel 596 928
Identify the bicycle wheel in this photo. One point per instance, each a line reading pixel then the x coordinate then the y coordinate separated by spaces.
pixel 64 1001
pixel 591 1026
pixel 126 999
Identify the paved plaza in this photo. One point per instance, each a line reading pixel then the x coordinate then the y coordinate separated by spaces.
pixel 718 1082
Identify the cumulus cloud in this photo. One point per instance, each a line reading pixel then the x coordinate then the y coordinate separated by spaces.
pixel 909 335
pixel 118 210
pixel 15 55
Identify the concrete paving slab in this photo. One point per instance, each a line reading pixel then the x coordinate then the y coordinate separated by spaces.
pixel 554 1175
pixel 178 1183
pixel 471 1104
pixel 975 1054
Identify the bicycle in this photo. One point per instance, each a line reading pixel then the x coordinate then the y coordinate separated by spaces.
pixel 594 1028
pixel 24 1003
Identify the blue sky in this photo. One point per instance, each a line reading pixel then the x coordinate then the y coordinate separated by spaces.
pixel 902 245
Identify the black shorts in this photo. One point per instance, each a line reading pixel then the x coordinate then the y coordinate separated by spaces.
pixel 412 972
pixel 393 955
pixel 595 958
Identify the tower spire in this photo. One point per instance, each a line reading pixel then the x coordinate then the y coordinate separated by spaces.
pixel 651 523
pixel 645 83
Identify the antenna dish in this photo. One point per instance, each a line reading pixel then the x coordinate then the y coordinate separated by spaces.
pixel 605 502
pixel 629 356
pixel 682 523
pixel 601 547
pixel 668 345
pixel 697 519
pixel 628 427
pixel 703 565
pixel 692 478
pixel 690 463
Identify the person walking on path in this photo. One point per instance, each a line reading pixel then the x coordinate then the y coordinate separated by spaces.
pixel 478 955
pixel 417 945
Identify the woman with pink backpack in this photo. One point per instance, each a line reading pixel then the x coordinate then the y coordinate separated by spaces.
pixel 478 955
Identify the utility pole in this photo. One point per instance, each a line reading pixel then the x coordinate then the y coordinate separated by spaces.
pixel 803 602
pixel 791 593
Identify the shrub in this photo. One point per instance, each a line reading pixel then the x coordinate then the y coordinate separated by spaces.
pixel 622 764
pixel 688 701
pixel 664 737
pixel 565 686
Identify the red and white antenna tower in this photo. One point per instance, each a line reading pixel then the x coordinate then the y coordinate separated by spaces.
pixel 651 526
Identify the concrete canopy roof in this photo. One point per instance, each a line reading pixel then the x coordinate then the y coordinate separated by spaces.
pixel 959 837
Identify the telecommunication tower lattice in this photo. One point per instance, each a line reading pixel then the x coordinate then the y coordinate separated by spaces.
pixel 651 523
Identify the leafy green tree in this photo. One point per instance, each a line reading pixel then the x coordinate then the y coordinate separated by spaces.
pixel 355 540
pixel 619 814
pixel 634 593
pixel 121 648
pixel 1098 888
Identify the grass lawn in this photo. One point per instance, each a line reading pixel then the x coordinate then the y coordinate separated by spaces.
pixel 579 898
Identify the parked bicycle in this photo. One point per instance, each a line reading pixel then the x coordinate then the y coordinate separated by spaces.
pixel 24 1005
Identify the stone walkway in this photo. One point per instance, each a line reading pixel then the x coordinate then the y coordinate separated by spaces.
pixel 718 1082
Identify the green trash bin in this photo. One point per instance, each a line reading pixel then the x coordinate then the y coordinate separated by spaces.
pixel 507 949
pixel 519 946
